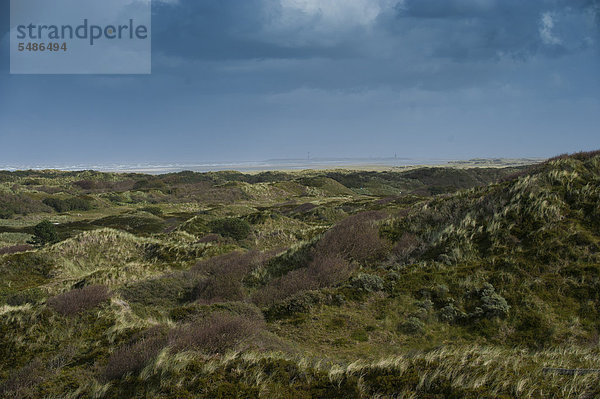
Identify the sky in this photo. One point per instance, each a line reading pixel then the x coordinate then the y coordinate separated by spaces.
pixel 249 80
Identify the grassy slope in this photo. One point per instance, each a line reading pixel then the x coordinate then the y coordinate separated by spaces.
pixel 471 295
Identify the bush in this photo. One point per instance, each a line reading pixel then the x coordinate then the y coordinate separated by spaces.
pixel 133 223
pixel 355 238
pixel 493 305
pixel 32 295
pixel 15 249
pixel 412 326
pixel 20 204
pixel 278 266
pixel 44 233
pixel 299 303
pixel 284 287
pixel 329 270
pixel 225 274
pixel 235 228
pixel 69 204
pixel 367 283
pixel 85 184
pixel 88 185
pixel 79 300
pixel 406 246
pixel 209 238
pixel 168 290
pixel 234 264
pixel 220 288
pixel 22 383
pixel 133 357
pixel 215 334
pixel 450 314
pixel 320 273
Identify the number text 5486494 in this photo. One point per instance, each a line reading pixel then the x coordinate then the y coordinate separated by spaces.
pixel 42 46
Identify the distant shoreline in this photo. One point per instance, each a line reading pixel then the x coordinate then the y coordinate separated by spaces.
pixel 376 165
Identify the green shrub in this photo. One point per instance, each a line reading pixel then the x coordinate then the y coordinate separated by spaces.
pixel 492 304
pixel 19 204
pixel 32 296
pixel 450 314
pixel 235 228
pixel 44 233
pixel 133 223
pixel 299 303
pixel 367 283
pixel 278 266
pixel 68 204
pixel 426 305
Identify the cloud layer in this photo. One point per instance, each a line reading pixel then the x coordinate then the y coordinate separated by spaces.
pixel 460 29
pixel 257 79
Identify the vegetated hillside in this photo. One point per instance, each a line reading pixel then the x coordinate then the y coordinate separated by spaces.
pixel 312 285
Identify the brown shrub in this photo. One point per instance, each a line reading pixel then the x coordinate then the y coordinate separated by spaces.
pixel 210 238
pixel 86 184
pixel 235 264
pixel 284 286
pixel 225 274
pixel 134 356
pixel 219 288
pixel 79 300
pixel 215 334
pixel 21 383
pixel 15 248
pixel 406 245
pixel 329 270
pixel 99 185
pixel 387 200
pixel 355 238
pixel 320 273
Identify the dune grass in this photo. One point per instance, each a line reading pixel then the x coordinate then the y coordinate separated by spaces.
pixel 425 283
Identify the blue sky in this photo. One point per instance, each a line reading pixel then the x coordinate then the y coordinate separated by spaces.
pixel 261 79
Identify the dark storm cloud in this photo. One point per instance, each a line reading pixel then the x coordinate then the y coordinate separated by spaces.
pixel 480 29
pixel 226 29
pixel 262 46
pixel 456 29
